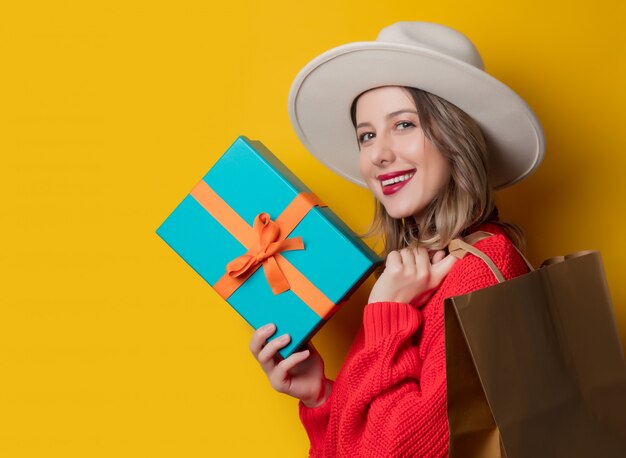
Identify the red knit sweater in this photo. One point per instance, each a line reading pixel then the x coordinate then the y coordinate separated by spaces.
pixel 389 399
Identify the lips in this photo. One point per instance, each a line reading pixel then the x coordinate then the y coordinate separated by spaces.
pixel 394 181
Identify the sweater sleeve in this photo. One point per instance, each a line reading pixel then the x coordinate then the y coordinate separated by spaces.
pixel 315 421
pixel 390 403
pixel 391 399
pixel 400 394
pixel 394 322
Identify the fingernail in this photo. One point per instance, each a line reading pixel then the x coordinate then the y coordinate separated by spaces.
pixel 267 327
pixel 283 338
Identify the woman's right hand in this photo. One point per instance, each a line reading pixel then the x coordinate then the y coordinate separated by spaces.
pixel 301 375
pixel 411 275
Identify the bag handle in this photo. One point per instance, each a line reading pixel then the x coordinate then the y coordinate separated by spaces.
pixel 461 246
pixel 557 259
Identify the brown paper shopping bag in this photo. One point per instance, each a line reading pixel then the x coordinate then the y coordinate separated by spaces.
pixel 535 366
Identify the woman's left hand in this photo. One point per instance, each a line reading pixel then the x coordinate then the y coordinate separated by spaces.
pixel 411 275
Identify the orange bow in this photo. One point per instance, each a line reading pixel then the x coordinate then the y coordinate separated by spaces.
pixel 290 217
pixel 269 243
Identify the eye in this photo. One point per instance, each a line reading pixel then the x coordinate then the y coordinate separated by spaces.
pixel 402 125
pixel 366 136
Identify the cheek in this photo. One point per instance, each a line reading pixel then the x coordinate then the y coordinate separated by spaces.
pixel 438 167
pixel 365 168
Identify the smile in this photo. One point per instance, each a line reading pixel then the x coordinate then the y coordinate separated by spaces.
pixel 393 182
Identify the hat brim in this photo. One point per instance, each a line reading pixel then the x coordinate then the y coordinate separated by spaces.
pixel 322 93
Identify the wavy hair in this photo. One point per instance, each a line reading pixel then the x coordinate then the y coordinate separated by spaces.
pixel 465 202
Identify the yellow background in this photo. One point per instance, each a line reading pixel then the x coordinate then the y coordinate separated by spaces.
pixel 110 345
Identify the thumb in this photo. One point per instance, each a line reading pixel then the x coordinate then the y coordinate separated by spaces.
pixel 441 268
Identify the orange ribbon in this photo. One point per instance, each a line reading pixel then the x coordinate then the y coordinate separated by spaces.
pixel 241 230
pixel 269 244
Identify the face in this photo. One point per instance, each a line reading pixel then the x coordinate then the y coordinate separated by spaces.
pixel 400 166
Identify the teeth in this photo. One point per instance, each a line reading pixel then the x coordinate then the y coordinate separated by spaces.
pixel 397 179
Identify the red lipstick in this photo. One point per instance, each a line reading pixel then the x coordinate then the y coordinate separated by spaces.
pixel 390 186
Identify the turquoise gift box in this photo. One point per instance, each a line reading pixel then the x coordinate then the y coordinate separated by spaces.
pixel 267 245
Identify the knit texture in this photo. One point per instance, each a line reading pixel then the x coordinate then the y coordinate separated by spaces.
pixel 389 398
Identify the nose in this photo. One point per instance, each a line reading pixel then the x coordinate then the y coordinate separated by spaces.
pixel 382 151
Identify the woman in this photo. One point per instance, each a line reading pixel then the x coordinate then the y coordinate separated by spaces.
pixel 413 117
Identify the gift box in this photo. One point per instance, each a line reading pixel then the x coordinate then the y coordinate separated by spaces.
pixel 267 244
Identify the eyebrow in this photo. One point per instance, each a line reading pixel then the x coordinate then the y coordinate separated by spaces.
pixel 389 116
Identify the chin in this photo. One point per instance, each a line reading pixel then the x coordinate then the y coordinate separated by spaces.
pixel 398 213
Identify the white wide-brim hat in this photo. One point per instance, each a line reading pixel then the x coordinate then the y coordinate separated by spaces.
pixel 428 56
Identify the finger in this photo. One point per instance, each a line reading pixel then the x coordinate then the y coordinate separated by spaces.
pixel 422 261
pixel 393 258
pixel 266 355
pixel 442 268
pixel 280 377
pixel 260 336
pixel 311 348
pixel 437 256
pixel 289 363
pixel 408 258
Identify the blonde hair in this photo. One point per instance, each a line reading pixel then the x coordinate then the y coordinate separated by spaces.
pixel 465 202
